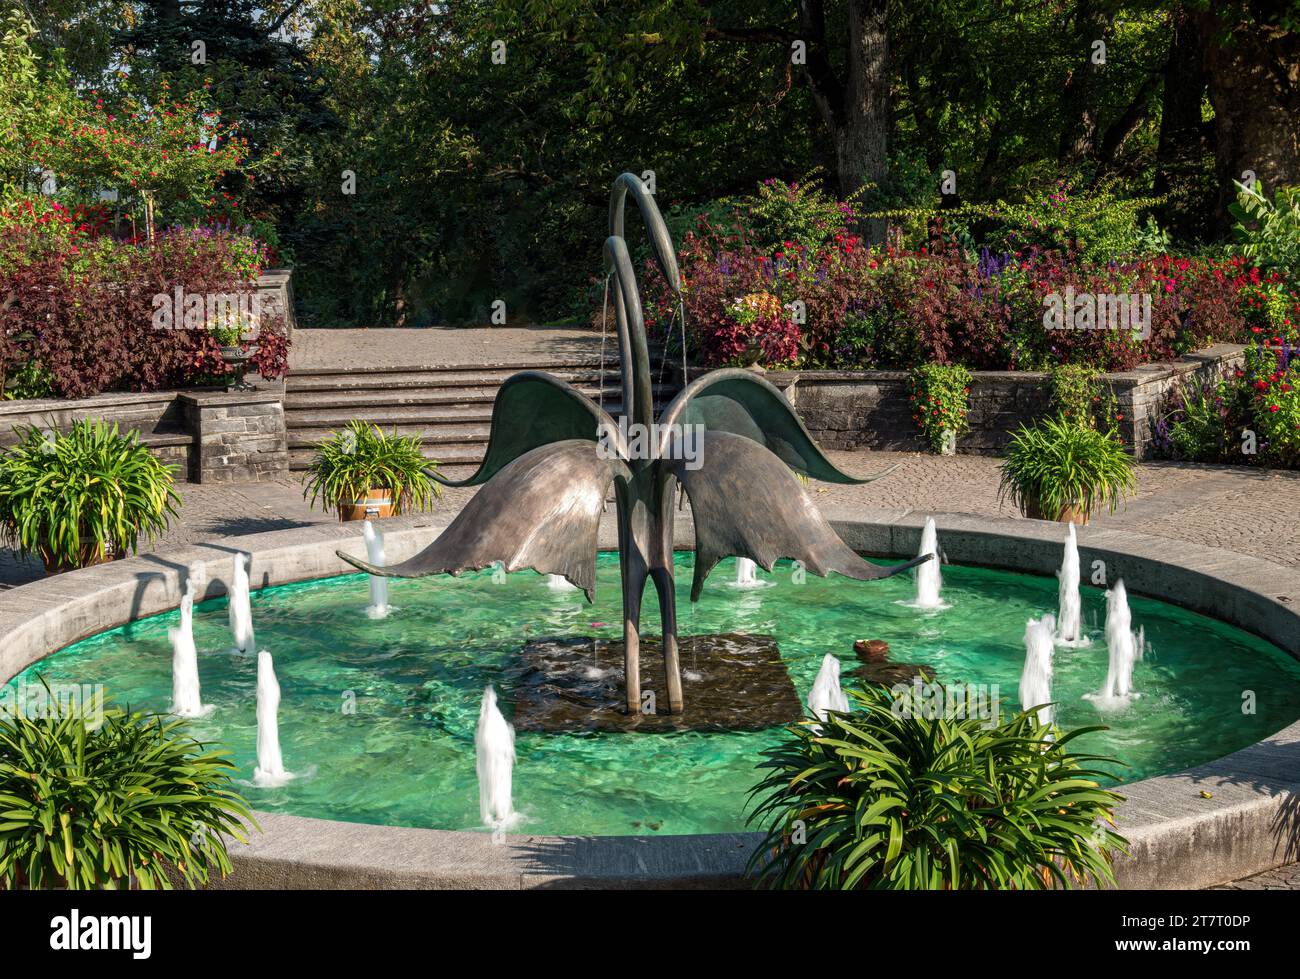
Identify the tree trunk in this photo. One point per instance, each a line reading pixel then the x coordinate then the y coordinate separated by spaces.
pixel 856 112
pixel 1182 143
pixel 1079 99
pixel 1253 76
pixel 862 141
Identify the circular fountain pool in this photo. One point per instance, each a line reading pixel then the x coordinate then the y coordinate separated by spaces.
pixel 378 716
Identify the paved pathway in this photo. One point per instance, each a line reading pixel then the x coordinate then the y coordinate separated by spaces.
pixel 1251 511
pixel 445 346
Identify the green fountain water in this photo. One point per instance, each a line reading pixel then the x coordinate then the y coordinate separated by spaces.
pixel 378 717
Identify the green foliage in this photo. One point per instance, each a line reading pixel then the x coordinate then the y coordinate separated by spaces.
pixel 1268 231
pixel 1098 224
pixel 76 496
pixel 362 457
pixel 1079 396
pixel 111 802
pixel 1056 465
pixel 941 402
pixel 781 214
pixel 893 797
pixel 1199 432
pixel 31 380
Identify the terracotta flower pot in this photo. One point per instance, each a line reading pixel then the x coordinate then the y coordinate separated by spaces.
pixel 1070 514
pixel 378 503
pixel 90 554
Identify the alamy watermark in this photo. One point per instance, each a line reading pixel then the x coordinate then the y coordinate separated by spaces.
pixel 654 441
pixel 935 701
pixel 1098 311
pixel 37 701
pixel 181 310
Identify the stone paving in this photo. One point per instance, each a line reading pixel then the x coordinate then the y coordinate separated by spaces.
pixel 445 346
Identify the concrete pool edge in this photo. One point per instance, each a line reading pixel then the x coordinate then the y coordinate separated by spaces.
pixel 1220 821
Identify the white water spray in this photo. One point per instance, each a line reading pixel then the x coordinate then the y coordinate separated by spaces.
pixel 929 580
pixel 1122 647
pixel 494 747
pixel 746 572
pixel 270 765
pixel 379 607
pixel 186 697
pixel 826 693
pixel 557 582
pixel 1069 625
pixel 241 612
pixel 1036 678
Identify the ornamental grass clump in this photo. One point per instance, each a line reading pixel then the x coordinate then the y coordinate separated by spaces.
pixel 94 797
pixel 890 798
pixel 79 497
pixel 363 457
pixel 1059 469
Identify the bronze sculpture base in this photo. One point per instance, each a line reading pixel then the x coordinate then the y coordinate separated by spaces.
pixel 733 682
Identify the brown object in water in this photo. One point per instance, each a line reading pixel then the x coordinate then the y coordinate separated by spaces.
pixel 872 650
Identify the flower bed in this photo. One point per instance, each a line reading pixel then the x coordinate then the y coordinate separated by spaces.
pixel 835 304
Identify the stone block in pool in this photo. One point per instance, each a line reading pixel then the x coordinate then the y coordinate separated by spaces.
pixel 730 682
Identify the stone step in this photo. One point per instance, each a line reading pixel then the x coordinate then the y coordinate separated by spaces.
pixel 430 412
pixel 431 380
pixel 429 390
pixel 467 455
pixel 508 367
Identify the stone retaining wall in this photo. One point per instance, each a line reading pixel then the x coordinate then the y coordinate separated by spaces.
pixel 239 437
pixel 870 409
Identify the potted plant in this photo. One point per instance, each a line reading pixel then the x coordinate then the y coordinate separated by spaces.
pixel 365 473
pixel 234 354
pixel 896 795
pixel 117 800
pixel 1059 470
pixel 83 497
pixel 940 401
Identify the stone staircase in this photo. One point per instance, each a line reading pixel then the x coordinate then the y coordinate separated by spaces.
pixel 449 407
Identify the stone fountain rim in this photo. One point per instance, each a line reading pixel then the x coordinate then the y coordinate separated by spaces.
pixel 1219 821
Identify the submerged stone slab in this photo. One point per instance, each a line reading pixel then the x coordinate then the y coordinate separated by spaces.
pixel 889 673
pixel 730 682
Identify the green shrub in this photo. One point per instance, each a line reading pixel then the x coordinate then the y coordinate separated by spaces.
pixel 1079 396
pixel 1199 431
pixel 1054 466
pixel 129 801
pixel 890 797
pixel 80 496
pixel 363 457
pixel 941 402
pixel 1268 232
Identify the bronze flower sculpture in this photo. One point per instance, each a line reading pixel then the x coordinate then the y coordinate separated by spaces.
pixel 729 438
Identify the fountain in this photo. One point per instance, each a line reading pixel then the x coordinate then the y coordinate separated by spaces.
pixel 270 765
pixel 1121 645
pixel 379 607
pixel 1036 678
pixel 928 578
pixel 186 698
pixel 494 747
pixel 553 454
pixel 826 694
pixel 1069 630
pixel 557 582
pixel 241 612
pixel 746 573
